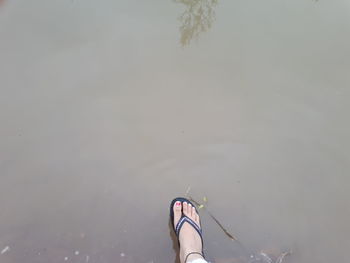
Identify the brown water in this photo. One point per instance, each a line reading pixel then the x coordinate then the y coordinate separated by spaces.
pixel 109 109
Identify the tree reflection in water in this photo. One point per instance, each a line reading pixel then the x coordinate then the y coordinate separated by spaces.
pixel 197 18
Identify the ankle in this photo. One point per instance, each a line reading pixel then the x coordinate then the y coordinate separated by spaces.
pixel 192 256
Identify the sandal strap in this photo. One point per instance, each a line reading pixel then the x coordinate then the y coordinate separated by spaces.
pixel 193 253
pixel 184 219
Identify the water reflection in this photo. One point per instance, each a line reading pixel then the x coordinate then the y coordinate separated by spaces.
pixel 197 18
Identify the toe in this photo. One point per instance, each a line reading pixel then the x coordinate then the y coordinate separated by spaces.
pixel 185 208
pixel 189 210
pixel 177 212
pixel 196 217
pixel 194 213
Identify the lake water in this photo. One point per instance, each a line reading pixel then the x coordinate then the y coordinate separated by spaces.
pixel 109 109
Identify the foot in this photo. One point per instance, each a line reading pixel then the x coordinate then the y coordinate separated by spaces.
pixel 190 241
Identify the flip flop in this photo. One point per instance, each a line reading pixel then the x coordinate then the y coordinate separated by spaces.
pixel 184 219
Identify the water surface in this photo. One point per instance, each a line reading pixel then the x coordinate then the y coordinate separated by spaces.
pixel 109 109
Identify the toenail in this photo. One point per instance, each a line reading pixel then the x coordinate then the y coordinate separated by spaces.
pixel 178 203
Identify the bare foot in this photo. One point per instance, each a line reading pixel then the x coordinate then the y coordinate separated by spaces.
pixel 189 239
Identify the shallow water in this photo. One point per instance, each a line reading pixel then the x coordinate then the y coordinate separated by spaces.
pixel 109 109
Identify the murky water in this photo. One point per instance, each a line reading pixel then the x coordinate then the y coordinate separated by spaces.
pixel 109 109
